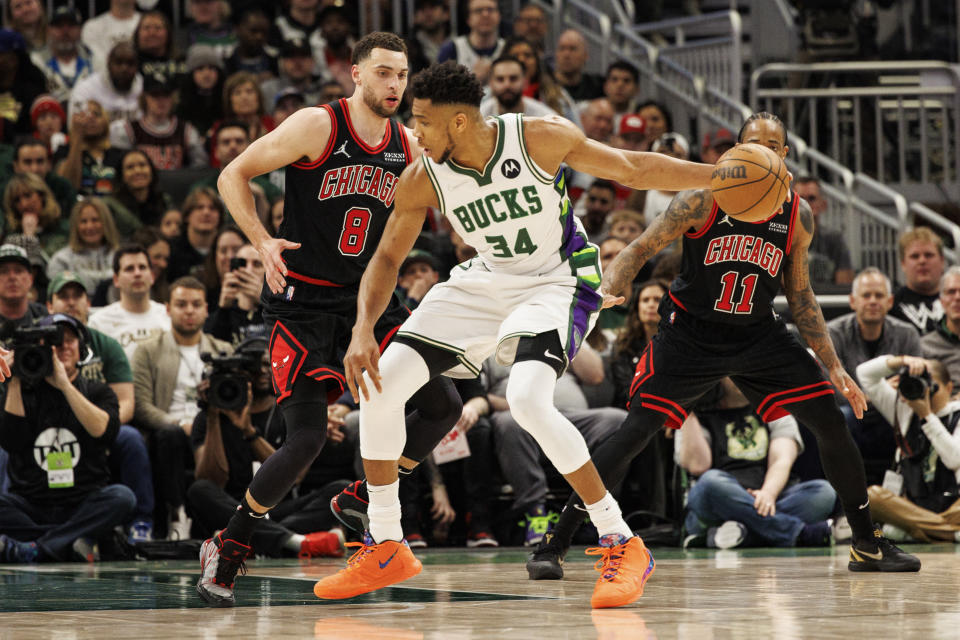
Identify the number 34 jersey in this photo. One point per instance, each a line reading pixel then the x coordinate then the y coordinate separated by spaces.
pixel 516 215
pixel 731 269
pixel 337 206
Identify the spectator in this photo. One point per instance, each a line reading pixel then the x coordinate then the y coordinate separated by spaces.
pixel 203 214
pixel 201 91
pixel 507 84
pixel 431 28
pixel 171 223
pixel 571 62
pixel 137 199
pixel 922 262
pixel 620 88
pixel 16 280
pixel 239 314
pixel 64 61
pixel 117 89
pixel 169 142
pixel 657 201
pixel 31 156
pixel 129 460
pixel 287 102
pixel 626 224
pixel 243 101
pixel 153 42
pixel 858 337
pixel 29 19
pixel 296 71
pixel 229 141
pixel 47 119
pixel 828 255
pixel 226 443
pixel 640 325
pixel 330 91
pixel 531 24
pixel 298 21
pixel 718 142
pixel 252 54
pixel 134 318
pixel 217 263
pixel 418 273
pixel 745 493
pixel 33 217
pixel 101 33
pixel 88 255
pixel 598 203
pixel 928 458
pixel 20 84
pixel 657 121
pixel 540 83
pixel 46 511
pixel 943 343
pixel 88 162
pixel 596 119
pixel 167 370
pixel 158 249
pixel 209 27
pixel 483 42
pixel 334 60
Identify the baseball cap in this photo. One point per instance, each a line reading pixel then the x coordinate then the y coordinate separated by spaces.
pixel 60 281
pixel 295 47
pixel 419 255
pixel 66 14
pixel 44 103
pixel 632 123
pixel 718 137
pixel 14 253
pixel 670 139
pixel 289 92
pixel 158 83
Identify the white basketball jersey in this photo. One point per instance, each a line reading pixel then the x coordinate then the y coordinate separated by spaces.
pixel 516 215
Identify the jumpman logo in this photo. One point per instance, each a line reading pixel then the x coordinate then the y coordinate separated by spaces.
pixel 726 219
pixel 342 149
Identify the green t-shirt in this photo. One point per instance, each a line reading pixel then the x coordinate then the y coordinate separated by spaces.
pixel 109 363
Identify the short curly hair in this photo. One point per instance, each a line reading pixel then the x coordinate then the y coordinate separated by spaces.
pixel 376 40
pixel 447 83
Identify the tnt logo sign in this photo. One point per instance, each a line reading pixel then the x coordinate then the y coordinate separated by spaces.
pixel 510 168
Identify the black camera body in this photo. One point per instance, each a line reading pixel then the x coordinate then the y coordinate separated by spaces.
pixel 33 351
pixel 914 387
pixel 229 377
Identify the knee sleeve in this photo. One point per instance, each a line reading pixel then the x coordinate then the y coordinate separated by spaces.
pixel 436 407
pixel 530 396
pixel 402 372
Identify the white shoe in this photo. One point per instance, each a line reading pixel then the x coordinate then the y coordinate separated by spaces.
pixel 727 536
pixel 894 533
pixel 180 528
pixel 219 592
pixel 842 533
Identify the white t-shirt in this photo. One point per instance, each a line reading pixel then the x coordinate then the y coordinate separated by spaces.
pixel 104 31
pixel 118 106
pixel 130 329
pixel 183 407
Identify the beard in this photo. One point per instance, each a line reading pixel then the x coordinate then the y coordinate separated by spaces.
pixel 509 99
pixel 370 99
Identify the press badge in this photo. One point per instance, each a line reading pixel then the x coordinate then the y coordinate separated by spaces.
pixel 59 470
pixel 893 482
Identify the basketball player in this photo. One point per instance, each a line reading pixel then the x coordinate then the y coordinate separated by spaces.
pixel 530 297
pixel 718 320
pixel 342 164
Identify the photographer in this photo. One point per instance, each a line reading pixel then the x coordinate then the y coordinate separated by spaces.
pixel 925 423
pixel 228 438
pixel 239 313
pixel 56 426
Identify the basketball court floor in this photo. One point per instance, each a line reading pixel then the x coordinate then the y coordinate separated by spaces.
pixel 751 594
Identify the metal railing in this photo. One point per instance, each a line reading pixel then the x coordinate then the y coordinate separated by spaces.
pixel 898 121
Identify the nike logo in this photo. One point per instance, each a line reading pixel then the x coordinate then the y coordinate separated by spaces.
pixel 865 504
pixel 383 565
pixel 550 355
pixel 873 556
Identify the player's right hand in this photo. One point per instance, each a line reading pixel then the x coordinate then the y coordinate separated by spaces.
pixel 363 356
pixel 274 267
pixel 610 300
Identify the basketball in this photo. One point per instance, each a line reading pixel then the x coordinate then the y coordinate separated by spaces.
pixel 749 182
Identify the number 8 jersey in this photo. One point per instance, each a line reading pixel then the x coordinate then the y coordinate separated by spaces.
pixel 513 213
pixel 338 205
pixel 731 269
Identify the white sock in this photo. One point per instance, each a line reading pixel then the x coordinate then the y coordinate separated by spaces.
pixel 606 517
pixel 384 512
pixel 293 543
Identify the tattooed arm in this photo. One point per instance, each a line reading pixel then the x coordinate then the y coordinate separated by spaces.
pixel 807 314
pixel 688 210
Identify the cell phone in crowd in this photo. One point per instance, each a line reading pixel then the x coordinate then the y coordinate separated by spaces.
pixel 237 263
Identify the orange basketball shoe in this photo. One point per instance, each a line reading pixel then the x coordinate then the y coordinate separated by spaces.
pixel 624 566
pixel 372 567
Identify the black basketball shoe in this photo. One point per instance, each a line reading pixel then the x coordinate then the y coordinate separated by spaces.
pixel 546 562
pixel 220 562
pixel 886 557
pixel 350 506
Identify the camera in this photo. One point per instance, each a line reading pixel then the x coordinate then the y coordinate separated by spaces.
pixel 913 387
pixel 33 351
pixel 229 376
pixel 237 263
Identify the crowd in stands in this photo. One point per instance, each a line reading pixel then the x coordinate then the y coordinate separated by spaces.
pixel 113 130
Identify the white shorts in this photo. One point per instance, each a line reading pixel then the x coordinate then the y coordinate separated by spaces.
pixel 477 313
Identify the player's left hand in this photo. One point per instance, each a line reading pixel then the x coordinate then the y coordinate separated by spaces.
pixel 764 502
pixel 274 267
pixel 842 381
pixel 610 300
pixel 6 358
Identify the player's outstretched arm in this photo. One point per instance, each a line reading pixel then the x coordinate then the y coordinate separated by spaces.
pixel 688 210
pixel 414 195
pixel 303 135
pixel 807 314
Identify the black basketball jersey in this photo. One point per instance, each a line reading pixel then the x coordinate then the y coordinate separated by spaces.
pixel 337 206
pixel 731 269
pixel 165 149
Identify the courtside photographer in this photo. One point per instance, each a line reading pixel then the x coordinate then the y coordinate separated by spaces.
pixel 919 498
pixel 56 426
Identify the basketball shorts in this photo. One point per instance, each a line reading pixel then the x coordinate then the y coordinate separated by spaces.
pixel 689 356
pixel 310 328
pixel 478 313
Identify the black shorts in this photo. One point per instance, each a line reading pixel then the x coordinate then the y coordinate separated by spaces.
pixel 689 356
pixel 310 328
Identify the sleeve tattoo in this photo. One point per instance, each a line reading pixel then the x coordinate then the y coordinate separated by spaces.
pixel 687 209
